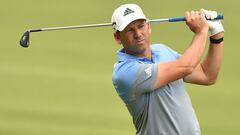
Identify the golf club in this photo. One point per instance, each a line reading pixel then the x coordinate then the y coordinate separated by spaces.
pixel 24 42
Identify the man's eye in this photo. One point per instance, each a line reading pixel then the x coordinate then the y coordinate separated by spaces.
pixel 141 26
pixel 129 30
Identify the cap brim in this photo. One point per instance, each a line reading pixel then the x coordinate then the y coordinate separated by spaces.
pixel 125 24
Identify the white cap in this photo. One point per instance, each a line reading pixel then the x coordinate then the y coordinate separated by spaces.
pixel 125 14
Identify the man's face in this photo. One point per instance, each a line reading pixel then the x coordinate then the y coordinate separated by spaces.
pixel 135 38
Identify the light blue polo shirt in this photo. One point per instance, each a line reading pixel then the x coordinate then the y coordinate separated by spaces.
pixel 164 111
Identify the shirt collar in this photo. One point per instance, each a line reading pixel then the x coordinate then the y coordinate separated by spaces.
pixel 122 56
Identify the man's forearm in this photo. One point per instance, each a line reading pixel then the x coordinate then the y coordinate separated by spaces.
pixel 193 54
pixel 212 63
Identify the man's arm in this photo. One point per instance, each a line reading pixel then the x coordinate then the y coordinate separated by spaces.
pixel 185 65
pixel 206 73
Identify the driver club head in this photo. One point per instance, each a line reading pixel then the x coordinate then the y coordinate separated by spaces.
pixel 24 42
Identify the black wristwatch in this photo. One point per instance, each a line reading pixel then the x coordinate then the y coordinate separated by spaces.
pixel 216 41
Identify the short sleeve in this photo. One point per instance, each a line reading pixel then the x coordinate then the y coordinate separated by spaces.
pixel 132 79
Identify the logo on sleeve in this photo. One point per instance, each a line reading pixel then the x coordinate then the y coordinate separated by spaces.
pixel 148 71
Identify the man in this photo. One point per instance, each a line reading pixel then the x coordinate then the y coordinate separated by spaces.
pixel 150 78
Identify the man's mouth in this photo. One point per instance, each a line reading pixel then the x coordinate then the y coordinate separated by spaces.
pixel 140 41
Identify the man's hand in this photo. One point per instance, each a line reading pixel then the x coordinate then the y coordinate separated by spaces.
pixel 196 21
pixel 215 26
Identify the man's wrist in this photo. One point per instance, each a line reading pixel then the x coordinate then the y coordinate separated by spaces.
pixel 216 41
pixel 217 38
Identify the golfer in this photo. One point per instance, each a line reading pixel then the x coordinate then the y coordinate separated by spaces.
pixel 150 78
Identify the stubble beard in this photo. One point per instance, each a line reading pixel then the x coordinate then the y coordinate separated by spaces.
pixel 139 50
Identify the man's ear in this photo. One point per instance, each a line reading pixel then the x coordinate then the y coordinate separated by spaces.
pixel 117 37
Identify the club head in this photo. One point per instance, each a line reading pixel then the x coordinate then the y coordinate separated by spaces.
pixel 24 42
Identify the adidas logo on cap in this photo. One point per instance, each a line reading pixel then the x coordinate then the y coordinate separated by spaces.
pixel 128 11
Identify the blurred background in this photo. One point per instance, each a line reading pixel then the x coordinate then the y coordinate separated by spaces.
pixel 61 84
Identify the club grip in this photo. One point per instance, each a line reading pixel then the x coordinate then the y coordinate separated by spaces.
pixel 220 17
pixel 178 19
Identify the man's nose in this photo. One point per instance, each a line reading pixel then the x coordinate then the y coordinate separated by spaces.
pixel 137 33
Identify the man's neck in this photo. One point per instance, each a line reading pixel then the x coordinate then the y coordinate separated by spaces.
pixel 146 54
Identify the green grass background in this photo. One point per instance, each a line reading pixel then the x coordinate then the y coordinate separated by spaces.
pixel 61 84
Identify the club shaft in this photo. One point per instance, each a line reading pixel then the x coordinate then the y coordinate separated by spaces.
pixel 79 26
pixel 87 26
pixel 176 19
